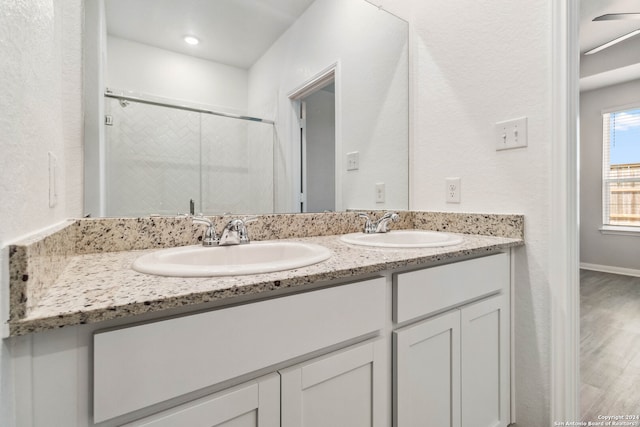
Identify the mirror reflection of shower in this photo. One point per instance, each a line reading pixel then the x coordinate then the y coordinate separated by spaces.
pixel 162 156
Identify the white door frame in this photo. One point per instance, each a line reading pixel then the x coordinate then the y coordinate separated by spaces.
pixel 564 255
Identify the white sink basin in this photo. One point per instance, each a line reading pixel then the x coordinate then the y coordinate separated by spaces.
pixel 252 258
pixel 403 239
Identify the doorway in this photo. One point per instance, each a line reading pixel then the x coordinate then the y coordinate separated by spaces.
pixel 318 139
pixel 318 182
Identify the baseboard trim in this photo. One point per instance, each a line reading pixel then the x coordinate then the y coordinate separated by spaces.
pixel 610 269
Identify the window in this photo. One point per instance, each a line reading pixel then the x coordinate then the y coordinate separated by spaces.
pixel 621 168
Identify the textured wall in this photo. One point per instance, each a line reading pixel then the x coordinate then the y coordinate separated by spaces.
pixel 40 112
pixel 474 64
pixel 595 247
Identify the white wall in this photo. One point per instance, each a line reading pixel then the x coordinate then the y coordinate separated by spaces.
pixel 40 112
pixel 146 69
pixel 474 64
pixel 595 247
pixel 371 81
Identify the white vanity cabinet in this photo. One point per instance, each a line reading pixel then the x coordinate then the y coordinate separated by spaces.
pixel 424 347
pixel 484 354
pixel 253 404
pixel 343 389
pixel 427 373
pixel 137 367
pixel 453 369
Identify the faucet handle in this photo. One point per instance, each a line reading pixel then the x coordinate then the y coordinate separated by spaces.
pixel 248 219
pixel 393 216
pixel 239 226
pixel 244 234
pixel 209 238
pixel 368 225
pixel 380 226
pixel 200 220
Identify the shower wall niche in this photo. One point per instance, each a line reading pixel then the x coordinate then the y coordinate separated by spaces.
pixel 158 158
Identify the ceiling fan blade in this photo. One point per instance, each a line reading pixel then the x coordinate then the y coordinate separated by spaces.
pixel 612 42
pixel 617 16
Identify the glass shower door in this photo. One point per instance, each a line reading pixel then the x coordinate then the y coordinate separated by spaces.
pixel 152 159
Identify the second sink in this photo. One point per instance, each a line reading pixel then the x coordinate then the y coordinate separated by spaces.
pixel 254 258
pixel 403 239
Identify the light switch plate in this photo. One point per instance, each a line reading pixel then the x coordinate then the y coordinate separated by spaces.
pixel 511 134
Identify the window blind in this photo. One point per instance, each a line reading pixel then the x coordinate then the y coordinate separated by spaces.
pixel 621 168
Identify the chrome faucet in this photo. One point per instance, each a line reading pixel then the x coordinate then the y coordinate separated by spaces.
pixel 379 226
pixel 235 232
pixel 209 238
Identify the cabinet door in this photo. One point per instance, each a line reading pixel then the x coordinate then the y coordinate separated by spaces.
pixel 427 373
pixel 342 389
pixel 485 363
pixel 254 404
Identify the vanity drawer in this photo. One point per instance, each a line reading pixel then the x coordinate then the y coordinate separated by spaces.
pixel 143 365
pixel 422 292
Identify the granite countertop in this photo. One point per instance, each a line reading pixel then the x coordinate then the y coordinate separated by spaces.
pixel 96 287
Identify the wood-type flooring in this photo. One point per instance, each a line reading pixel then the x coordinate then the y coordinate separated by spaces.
pixel 609 346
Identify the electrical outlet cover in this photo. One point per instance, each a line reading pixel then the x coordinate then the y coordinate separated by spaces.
pixel 452 190
pixel 380 192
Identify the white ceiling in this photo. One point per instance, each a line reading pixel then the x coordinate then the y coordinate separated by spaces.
pixel 618 63
pixel 594 34
pixel 233 32
pixel 237 32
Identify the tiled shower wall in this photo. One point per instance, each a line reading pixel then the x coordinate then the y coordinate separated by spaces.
pixel 158 158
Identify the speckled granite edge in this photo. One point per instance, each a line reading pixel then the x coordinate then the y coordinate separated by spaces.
pixel 34 263
pixel 511 226
pixel 106 288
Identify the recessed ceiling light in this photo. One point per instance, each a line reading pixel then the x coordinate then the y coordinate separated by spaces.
pixel 191 40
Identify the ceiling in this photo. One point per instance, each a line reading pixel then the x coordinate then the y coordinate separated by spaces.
pixel 594 34
pixel 617 64
pixel 233 32
pixel 237 32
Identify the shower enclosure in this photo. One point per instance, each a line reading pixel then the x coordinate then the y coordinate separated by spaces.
pixel 159 156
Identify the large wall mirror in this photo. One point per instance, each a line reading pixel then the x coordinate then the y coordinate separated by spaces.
pixel 244 106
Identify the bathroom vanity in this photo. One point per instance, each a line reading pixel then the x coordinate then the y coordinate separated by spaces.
pixel 370 337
